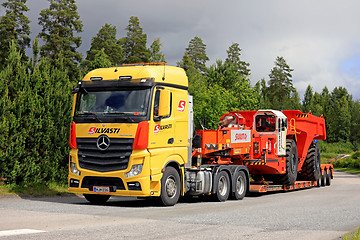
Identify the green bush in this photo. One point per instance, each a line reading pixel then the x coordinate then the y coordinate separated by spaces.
pixel 338 148
pixel 35 109
pixel 352 161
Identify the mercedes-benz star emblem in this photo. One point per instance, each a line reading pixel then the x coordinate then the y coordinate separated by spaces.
pixel 103 142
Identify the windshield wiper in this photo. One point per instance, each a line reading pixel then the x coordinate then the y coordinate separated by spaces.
pixel 94 115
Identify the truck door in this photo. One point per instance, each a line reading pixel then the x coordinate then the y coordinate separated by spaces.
pixel 282 125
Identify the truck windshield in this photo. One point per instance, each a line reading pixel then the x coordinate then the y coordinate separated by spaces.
pixel 131 102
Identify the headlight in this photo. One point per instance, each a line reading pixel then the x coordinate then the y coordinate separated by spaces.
pixel 135 170
pixel 74 169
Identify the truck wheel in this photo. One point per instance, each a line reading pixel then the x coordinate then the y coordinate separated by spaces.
pixel 323 179
pixel 170 187
pixel 97 199
pixel 240 185
pixel 311 168
pixel 289 177
pixel 223 186
pixel 328 179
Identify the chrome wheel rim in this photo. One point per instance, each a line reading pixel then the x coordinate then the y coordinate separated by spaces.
pixel 223 188
pixel 170 187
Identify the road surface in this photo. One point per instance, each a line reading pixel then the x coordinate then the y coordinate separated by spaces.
pixel 316 213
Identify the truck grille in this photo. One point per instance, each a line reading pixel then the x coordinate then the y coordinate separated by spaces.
pixel 115 158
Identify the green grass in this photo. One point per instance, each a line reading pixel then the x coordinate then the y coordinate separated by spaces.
pixel 36 189
pixel 354 235
pixel 349 170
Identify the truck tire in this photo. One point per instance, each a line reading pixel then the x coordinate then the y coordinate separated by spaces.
pixel 222 186
pixel 289 177
pixel 311 168
pixel 240 185
pixel 97 199
pixel 170 187
pixel 328 178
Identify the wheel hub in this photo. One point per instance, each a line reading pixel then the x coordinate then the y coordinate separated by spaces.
pixel 170 186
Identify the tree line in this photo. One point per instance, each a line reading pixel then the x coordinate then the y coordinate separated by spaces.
pixel 36 99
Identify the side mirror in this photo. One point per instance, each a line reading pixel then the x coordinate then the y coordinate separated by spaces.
pixel 164 103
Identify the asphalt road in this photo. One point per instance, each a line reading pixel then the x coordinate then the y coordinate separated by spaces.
pixel 316 213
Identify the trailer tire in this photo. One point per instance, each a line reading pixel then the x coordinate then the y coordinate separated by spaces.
pixel 222 187
pixel 289 177
pixel 240 185
pixel 96 198
pixel 322 181
pixel 328 179
pixel 311 169
pixel 170 187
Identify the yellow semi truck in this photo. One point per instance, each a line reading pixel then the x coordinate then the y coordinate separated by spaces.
pixel 130 130
pixel 133 135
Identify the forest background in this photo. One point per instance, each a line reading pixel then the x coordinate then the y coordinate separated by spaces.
pixel 36 96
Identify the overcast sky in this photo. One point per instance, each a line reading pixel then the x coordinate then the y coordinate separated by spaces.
pixel 319 39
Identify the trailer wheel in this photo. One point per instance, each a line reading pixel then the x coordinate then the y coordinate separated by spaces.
pixel 311 168
pixel 97 199
pixel 240 185
pixel 170 187
pixel 223 186
pixel 328 179
pixel 323 179
pixel 289 177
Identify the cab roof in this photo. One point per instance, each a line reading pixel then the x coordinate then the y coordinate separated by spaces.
pixel 160 73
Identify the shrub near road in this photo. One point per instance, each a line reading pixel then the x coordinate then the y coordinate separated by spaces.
pixel 353 161
pixel 34 121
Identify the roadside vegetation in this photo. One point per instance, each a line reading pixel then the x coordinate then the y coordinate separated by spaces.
pixel 354 235
pixel 34 189
pixel 342 156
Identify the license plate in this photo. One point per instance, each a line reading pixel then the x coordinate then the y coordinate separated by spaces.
pixel 101 189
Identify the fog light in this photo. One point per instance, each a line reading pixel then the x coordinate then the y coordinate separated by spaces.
pixel 135 170
pixel 74 169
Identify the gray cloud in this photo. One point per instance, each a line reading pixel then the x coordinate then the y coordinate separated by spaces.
pixel 315 37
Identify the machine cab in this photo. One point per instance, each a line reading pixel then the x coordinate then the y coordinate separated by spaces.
pixel 272 122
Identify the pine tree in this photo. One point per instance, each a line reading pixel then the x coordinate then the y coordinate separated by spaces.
pixel 264 99
pixel 14 25
pixel 280 84
pixel 106 41
pixel 234 53
pixel 196 51
pixel 155 51
pixel 101 60
pixel 355 125
pixel 134 44
pixel 59 24
pixel 308 99
pixel 317 108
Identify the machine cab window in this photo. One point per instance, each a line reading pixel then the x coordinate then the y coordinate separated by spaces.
pixel 265 123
